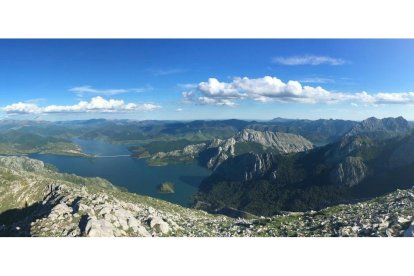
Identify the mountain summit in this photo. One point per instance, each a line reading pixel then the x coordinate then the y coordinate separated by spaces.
pixel 381 128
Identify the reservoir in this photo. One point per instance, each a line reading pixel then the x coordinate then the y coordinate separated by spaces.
pixel 113 163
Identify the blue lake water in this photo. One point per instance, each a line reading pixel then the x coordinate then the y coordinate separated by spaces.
pixel 131 173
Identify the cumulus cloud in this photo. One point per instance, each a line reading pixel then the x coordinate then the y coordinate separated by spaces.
pixel 96 104
pixel 260 89
pixel 86 89
pixel 266 89
pixel 22 108
pixel 308 60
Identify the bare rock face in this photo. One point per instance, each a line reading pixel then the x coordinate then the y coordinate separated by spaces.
pixel 282 142
pixel 254 166
pixel 350 172
pixel 274 141
pixel 216 160
pixel 98 228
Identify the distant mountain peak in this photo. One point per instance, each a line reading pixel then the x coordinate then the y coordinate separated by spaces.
pixel 381 128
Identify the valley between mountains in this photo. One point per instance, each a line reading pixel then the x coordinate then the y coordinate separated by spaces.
pixel 267 178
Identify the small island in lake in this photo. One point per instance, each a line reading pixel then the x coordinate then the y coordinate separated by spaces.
pixel 166 188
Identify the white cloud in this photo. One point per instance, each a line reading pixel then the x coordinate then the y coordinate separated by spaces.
pixel 260 89
pixel 22 108
pixel 266 89
pixel 213 101
pixel 86 89
pixel 188 97
pixel 308 60
pixel 187 85
pixel 96 104
pixel 179 110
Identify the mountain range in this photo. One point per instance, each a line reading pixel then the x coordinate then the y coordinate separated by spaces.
pixel 373 158
pixel 263 171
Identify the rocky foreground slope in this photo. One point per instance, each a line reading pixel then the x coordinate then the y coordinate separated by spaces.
pixel 37 201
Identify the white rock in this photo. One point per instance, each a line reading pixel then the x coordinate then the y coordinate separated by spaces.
pixel 61 209
pixel 160 225
pixel 123 216
pixel 99 228
pixel 105 210
pixel 402 220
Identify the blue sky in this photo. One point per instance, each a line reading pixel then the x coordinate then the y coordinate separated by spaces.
pixel 206 79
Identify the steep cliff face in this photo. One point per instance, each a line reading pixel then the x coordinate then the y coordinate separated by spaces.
pixel 247 167
pixel 350 172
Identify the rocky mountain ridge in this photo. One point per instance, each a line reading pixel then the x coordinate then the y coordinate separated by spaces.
pixel 381 128
pixel 357 166
pixel 214 153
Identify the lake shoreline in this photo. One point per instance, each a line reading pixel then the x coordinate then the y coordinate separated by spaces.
pixel 115 163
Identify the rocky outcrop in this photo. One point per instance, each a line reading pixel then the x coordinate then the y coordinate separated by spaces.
pixel 350 172
pixel 99 228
